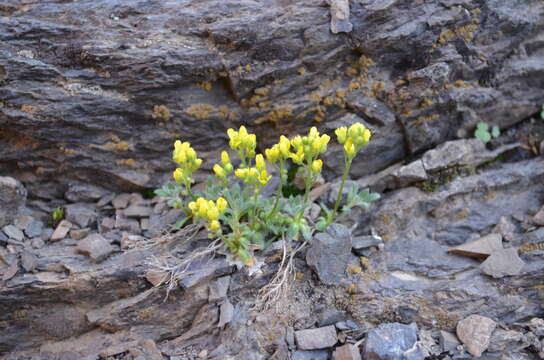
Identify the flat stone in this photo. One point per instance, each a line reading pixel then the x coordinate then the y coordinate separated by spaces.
pixel 538 219
pixel 137 211
pixel 156 277
pixel 475 332
pixel 105 200
pixel 390 341
pixel 78 234
pixel 34 228
pixel 503 262
pixel 346 352
pixel 480 248
pixel 13 232
pixel 329 253
pixel 81 214
pixel 501 339
pixel 456 152
pixel 314 339
pixel 506 228
pixel 12 199
pixel 46 234
pixel 226 313
pixel 218 289
pixel 61 230
pixel 310 355
pixel 362 243
pixel 3 238
pixel 411 173
pixel 130 225
pixel 22 221
pixel 95 246
pixel 331 316
pixel 107 224
pixel 121 201
pixel 37 243
pixel 144 224
pixel 448 341
pixel 205 271
pixel 84 193
pixel 29 261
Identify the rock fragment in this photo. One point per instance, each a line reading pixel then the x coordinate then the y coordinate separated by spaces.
pixel 480 248
pixel 340 16
pixel 29 261
pixel 475 332
pixel 360 244
pixel 503 262
pixel 34 228
pixel 13 232
pixel 538 219
pixel 61 230
pixel 310 355
pixel 501 339
pixel 346 352
pixel 81 214
pixel 314 339
pixel 95 247
pixel 226 313
pixel 121 201
pixel 218 289
pixel 329 253
pixel 411 173
pixel 12 199
pixel 390 341
pixel 137 211
pixel 448 341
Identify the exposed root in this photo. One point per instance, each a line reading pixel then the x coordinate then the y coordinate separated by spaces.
pixel 272 295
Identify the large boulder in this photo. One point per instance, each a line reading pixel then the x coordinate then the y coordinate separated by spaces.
pixel 12 199
pixel 98 91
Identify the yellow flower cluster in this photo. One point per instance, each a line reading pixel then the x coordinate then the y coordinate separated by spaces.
pixel 225 168
pixel 307 148
pixel 242 142
pixel 353 138
pixel 255 175
pixel 185 156
pixel 209 211
pixel 280 150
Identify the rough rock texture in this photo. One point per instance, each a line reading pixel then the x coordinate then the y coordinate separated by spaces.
pixel 12 199
pixel 99 90
pixel 390 341
pixel 475 332
pixel 314 339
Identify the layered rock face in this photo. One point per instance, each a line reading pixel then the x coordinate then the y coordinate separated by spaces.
pixel 97 92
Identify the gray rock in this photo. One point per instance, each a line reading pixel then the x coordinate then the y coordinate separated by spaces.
pixel 121 201
pixel 84 193
pixel 448 341
pixel 37 243
pixel 411 173
pixel 390 341
pixel 137 211
pixel 329 253
pixel 226 313
pixel 78 234
pixel 538 219
pixel 47 233
pixel 12 199
pixel 310 355
pixel 503 262
pixel 218 289
pixel 290 337
pixel 205 271
pixel 22 221
pixel 13 232
pixel 501 339
pixel 536 325
pixel 330 317
pixel 3 239
pixel 34 228
pixel 107 224
pixel 29 261
pixel 130 225
pixel 480 248
pixel 61 231
pixel 340 16
pixel 314 339
pixel 475 332
pixel 346 352
pixel 95 247
pixel 105 200
pixel 81 214
pixel 361 243
pixel 346 325
pixel 506 228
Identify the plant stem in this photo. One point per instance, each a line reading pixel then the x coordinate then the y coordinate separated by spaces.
pixel 347 163
pixel 278 194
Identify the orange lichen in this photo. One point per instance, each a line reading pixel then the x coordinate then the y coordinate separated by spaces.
pixel 161 112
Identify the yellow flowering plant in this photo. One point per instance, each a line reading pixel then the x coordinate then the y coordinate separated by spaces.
pixel 233 208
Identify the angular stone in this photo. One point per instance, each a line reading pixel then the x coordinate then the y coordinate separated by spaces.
pixel 329 253
pixel 13 232
pixel 137 211
pixel 331 316
pixel 78 234
pixel 340 16
pixel 144 224
pixel 506 228
pixel 107 224
pixel 121 201
pixel 538 219
pixel 205 271
pixel 84 193
pixel 452 153
pixel 12 199
pixel 501 339
pixel 503 262
pixel 361 243
pixel 226 313
pixel 156 277
pixel 448 341
pixel 130 225
pixel 310 355
pixel 218 289
pixel 81 214
pixel 314 339
pixel 95 246
pixel 480 248
pixel 346 352
pixel 411 173
pixel 34 228
pixel 29 261
pixel 105 200
pixel 3 239
pixel 475 332
pixel 61 230
pixel 22 221
pixel 37 243
pixel 390 341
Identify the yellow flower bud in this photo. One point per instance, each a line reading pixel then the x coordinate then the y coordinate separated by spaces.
pixel 241 173
pixel 212 213
pixel 349 148
pixel 317 165
pixel 272 154
pixel 296 141
pixel 284 146
pixel 198 162
pixel 259 162
pixel 192 206
pixel 225 159
pixel 313 132
pixel 367 135
pixel 341 134
pixel 222 204
pixel 219 171
pixel 178 175
pixel 228 168
pixel 242 132
pixel 214 226
pixel 203 210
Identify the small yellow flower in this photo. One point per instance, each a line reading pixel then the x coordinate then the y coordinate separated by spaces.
pixel 225 159
pixel 178 176
pixel 272 154
pixel 317 165
pixel 212 213
pixel 349 148
pixel 259 162
pixel 222 204
pixel 219 171
pixel 214 226
pixel 367 135
pixel 341 134
pixel 284 146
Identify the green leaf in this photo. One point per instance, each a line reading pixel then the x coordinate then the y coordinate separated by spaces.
pixel 482 126
pixel 483 135
pixel 306 232
pixel 179 224
pixel 161 193
pixel 496 132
